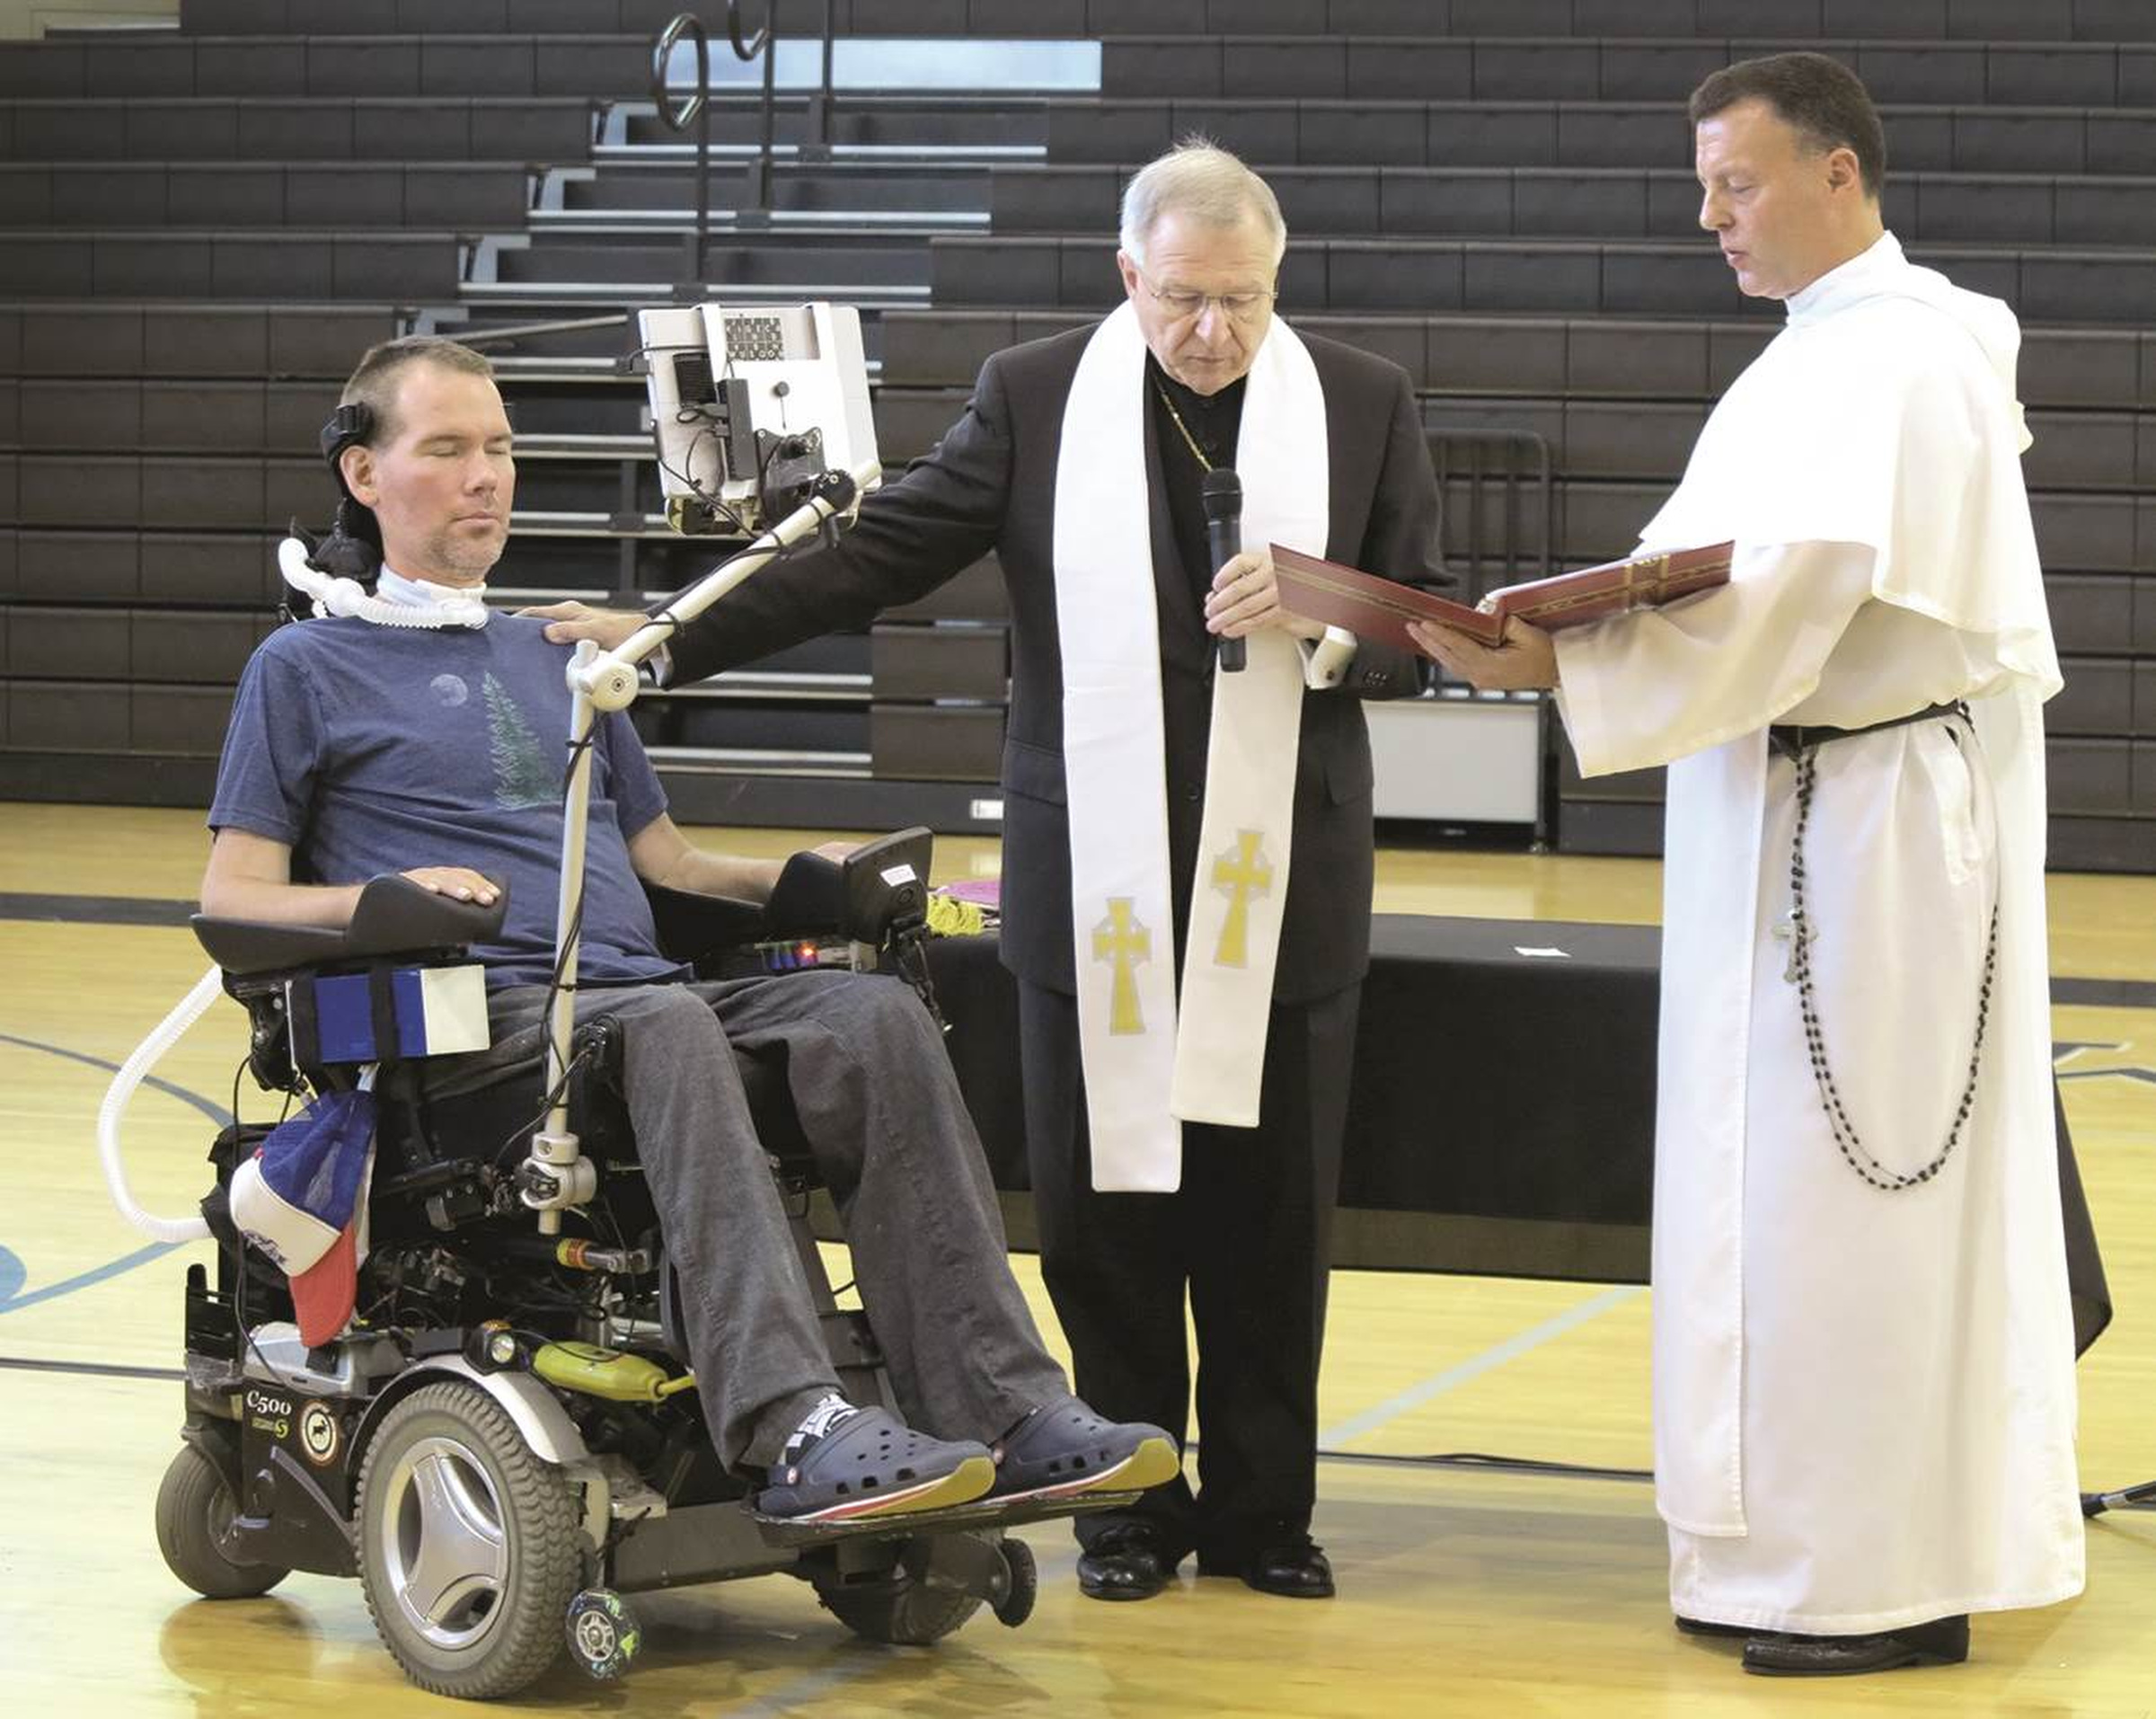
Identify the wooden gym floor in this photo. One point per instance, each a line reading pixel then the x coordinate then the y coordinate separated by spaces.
pixel 1461 1592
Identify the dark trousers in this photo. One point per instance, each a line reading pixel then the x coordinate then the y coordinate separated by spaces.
pixel 1247 1237
pixel 882 1113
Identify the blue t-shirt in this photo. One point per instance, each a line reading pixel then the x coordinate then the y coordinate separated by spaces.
pixel 370 749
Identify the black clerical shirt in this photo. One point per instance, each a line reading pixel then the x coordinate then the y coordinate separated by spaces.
pixel 1214 423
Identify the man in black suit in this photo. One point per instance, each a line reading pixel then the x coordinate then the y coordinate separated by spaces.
pixel 1245 1229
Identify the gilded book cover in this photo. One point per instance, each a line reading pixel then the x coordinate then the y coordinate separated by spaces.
pixel 1372 608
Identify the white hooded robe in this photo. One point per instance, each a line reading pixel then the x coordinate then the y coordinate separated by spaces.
pixel 1864 1401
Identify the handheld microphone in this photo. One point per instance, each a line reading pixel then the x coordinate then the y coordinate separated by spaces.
pixel 1223 492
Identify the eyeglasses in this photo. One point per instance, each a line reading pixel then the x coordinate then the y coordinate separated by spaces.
pixel 1185 307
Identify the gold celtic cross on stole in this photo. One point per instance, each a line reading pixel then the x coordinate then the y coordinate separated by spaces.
pixel 1239 872
pixel 1121 939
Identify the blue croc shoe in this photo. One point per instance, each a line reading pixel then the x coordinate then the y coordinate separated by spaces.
pixel 871 1463
pixel 1063 1448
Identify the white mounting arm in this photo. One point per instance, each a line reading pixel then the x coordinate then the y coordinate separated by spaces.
pixel 557 1174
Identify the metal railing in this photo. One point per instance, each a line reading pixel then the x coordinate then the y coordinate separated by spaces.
pixel 755 210
pixel 510 334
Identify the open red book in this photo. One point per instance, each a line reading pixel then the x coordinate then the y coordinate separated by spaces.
pixel 1376 608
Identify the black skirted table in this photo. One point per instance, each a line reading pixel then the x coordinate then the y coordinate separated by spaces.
pixel 1464 1153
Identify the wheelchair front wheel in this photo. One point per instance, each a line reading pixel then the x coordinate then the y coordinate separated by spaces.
pixel 469 1545
pixel 194 1508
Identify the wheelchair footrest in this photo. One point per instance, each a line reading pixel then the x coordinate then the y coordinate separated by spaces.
pixel 979 1513
pixel 719 1542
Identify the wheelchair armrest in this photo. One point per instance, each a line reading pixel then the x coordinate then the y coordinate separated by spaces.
pixel 394 916
pixel 877 886
pixel 695 927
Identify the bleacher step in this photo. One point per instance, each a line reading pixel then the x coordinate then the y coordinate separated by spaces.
pixel 755 223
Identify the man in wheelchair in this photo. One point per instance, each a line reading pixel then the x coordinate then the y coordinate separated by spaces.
pixel 429 750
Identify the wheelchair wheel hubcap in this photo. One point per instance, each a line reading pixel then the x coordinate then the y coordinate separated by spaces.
pixel 445 1549
pixel 596 1635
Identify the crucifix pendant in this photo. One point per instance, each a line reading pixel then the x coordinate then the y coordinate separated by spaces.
pixel 1786 930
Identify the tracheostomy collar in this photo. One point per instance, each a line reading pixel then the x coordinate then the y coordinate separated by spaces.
pixel 396 600
pixel 462 605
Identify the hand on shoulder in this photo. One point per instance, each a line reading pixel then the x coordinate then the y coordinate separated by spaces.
pixel 567 622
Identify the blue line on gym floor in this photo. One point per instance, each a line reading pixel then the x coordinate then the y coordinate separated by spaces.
pixel 13 1273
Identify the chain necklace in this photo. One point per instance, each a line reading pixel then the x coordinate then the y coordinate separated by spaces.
pixel 1182 429
pixel 1800 964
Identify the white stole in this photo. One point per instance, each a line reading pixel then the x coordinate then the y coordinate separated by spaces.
pixel 1146 1070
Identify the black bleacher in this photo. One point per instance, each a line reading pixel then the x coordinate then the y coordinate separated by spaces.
pixel 2107 288
pixel 1419 132
pixel 1496 193
pixel 201 234
pixel 1976 21
pixel 258 127
pixel 1603 202
pixel 252 194
pixel 1522 68
pixel 138 582
pixel 345 62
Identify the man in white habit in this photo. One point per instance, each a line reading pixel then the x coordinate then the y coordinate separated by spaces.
pixel 1187 854
pixel 1864 1394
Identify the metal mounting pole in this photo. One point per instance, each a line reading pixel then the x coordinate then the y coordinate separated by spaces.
pixel 556 1174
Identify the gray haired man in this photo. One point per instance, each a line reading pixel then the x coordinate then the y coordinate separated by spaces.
pixel 1186 853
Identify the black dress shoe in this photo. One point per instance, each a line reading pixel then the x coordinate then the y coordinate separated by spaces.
pixel 1945 1641
pixel 1295 1568
pixel 1126 1563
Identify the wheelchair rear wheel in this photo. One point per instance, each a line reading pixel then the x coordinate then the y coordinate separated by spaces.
pixel 194 1507
pixel 469 1545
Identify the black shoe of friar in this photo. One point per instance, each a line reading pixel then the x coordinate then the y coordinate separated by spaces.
pixel 1945 1641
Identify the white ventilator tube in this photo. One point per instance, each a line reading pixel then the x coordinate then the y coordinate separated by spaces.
pixel 162 1037
pixel 348 596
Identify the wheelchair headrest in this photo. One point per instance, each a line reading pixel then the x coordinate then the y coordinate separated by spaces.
pixel 353 548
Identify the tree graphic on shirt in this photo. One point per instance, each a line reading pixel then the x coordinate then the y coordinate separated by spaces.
pixel 524 775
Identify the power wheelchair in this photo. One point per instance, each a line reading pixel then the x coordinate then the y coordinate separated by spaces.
pixel 499 1447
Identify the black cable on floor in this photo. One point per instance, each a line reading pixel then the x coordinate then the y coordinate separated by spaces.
pixel 1473 1459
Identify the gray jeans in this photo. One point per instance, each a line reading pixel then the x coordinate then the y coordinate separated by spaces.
pixel 881 1110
